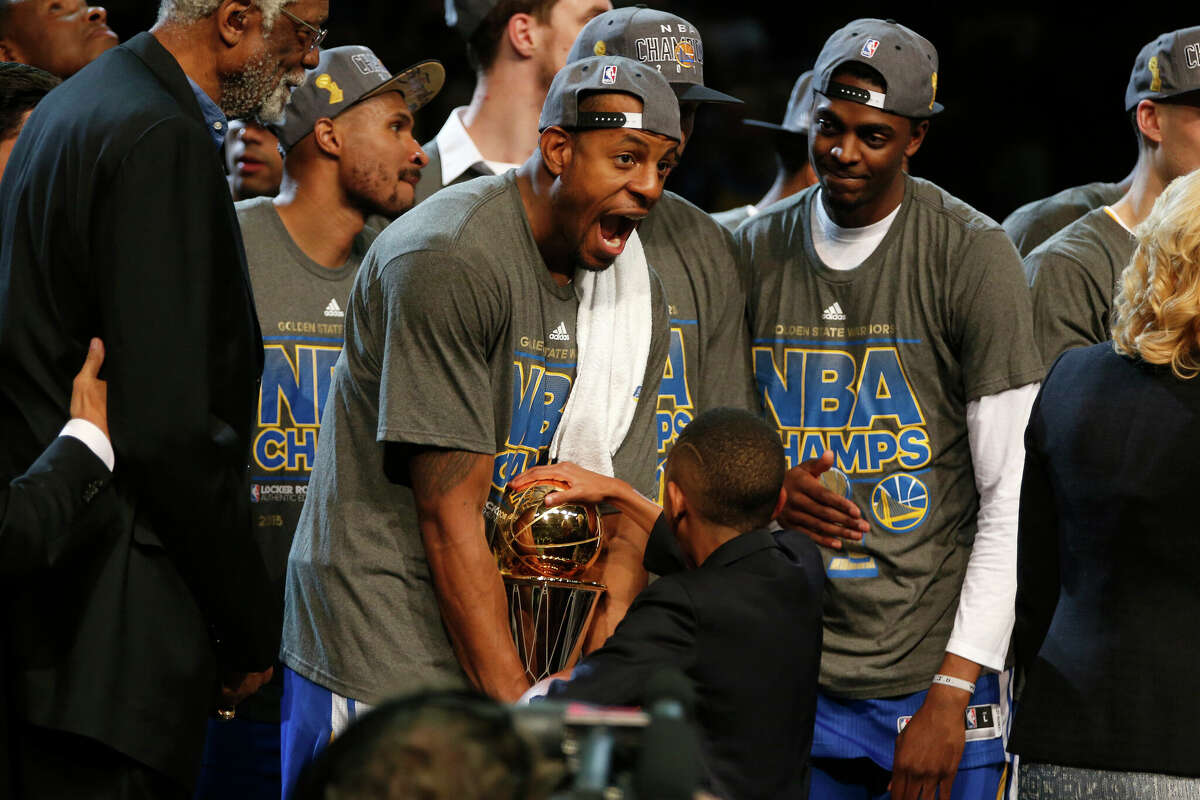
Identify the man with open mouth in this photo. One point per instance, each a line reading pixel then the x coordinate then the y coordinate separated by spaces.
pixel 503 322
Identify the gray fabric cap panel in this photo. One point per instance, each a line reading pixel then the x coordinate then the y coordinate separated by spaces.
pixel 660 109
pixel 1168 66
pixel 664 41
pixel 348 75
pixel 907 61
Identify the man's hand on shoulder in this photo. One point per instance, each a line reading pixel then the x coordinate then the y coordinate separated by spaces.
pixel 89 394
pixel 825 517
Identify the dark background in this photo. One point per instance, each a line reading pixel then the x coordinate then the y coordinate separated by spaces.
pixel 1034 98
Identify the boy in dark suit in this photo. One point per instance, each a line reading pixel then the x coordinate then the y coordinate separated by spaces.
pixel 743 621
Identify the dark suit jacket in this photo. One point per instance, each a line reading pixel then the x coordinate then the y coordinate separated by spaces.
pixel 39 506
pixel 115 220
pixel 745 626
pixel 34 508
pixel 1107 593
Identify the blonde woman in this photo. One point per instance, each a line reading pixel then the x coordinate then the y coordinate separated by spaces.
pixel 1108 591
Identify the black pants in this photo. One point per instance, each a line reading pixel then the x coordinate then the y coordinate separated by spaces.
pixel 53 764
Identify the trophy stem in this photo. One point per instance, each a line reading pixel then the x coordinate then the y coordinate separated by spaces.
pixel 547 618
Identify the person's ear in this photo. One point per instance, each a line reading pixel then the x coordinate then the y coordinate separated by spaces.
pixel 327 137
pixel 233 21
pixel 1149 120
pixel 678 504
pixel 522 34
pixel 557 147
pixel 780 503
pixel 916 138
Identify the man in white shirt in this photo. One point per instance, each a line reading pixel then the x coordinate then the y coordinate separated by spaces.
pixel 892 335
pixel 516 48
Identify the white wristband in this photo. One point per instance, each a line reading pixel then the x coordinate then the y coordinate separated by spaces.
pixel 957 683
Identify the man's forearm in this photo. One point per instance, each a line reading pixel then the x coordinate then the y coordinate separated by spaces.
pixel 450 487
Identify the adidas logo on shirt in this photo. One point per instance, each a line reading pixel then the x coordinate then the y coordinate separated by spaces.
pixel 833 312
pixel 333 310
pixel 560 334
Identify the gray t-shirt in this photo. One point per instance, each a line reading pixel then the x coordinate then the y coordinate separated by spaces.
pixel 708 364
pixel 877 364
pixel 1074 275
pixel 729 220
pixel 300 306
pixel 458 337
pixel 1034 223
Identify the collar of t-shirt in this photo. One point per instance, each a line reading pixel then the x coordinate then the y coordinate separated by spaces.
pixel 1117 219
pixel 214 118
pixel 459 153
pixel 845 248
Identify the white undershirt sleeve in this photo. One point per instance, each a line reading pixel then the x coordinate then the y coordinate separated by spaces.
pixel 996 431
pixel 93 437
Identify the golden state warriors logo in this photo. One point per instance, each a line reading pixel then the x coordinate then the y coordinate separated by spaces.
pixel 900 502
pixel 685 54
pixel 330 85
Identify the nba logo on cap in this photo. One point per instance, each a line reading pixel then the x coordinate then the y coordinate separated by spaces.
pixel 869 47
pixel 610 74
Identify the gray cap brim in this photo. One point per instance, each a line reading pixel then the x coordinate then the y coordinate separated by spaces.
pixel 419 84
pixel 695 92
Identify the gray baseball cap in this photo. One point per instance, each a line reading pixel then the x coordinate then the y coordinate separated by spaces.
pixel 664 41
pixel 660 109
pixel 799 108
pixel 348 75
pixel 1168 66
pixel 906 60
pixel 464 16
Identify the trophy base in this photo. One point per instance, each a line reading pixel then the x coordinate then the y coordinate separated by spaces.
pixel 548 617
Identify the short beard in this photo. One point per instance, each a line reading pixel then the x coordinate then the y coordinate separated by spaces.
pixel 253 91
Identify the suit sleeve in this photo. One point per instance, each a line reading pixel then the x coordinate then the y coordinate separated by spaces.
pixel 1038 578
pixel 658 631
pixel 39 506
pixel 177 320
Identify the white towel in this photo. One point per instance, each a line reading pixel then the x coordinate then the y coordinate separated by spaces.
pixel 612 334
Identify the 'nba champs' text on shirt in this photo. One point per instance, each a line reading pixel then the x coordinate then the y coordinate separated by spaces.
pixel 877 364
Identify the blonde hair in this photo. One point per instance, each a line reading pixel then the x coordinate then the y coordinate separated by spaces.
pixel 1156 314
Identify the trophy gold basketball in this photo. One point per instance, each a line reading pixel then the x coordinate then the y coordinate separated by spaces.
pixel 542 553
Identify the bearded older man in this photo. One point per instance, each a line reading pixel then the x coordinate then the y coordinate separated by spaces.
pixel 115 221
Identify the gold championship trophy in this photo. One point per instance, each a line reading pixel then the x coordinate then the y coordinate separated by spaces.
pixel 542 552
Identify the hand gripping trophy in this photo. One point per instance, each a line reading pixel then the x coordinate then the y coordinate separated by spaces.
pixel 542 552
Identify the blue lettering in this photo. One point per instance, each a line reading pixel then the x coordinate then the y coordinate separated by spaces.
pixel 881 448
pixel 301 448
pixel 849 451
pixel 914 447
pixel 270 449
pixel 786 408
pixel 674 380
pixel 302 385
pixel 828 400
pixel 884 392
